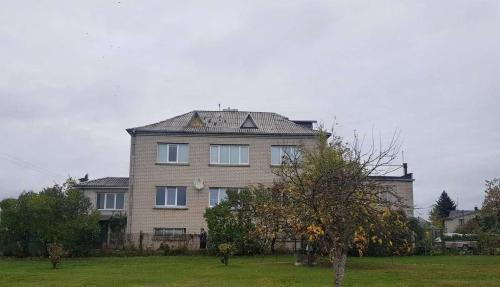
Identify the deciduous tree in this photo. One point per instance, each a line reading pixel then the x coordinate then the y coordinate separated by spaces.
pixel 490 211
pixel 329 197
pixel 59 213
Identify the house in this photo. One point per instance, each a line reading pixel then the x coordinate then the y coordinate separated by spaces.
pixel 109 195
pixel 185 164
pixel 457 218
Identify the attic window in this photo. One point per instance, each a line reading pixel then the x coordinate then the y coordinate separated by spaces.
pixel 196 121
pixel 248 123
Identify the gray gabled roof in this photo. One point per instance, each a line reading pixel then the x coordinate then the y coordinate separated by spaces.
pixel 460 213
pixel 227 122
pixel 105 182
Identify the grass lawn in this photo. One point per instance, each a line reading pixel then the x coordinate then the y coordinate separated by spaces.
pixel 251 271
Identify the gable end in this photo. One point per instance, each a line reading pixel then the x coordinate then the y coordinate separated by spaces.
pixel 249 123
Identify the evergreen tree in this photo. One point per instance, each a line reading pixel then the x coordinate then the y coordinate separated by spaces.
pixel 444 205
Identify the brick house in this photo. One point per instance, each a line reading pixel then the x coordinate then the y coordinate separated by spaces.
pixel 183 165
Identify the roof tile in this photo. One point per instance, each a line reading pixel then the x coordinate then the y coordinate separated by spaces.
pixel 105 182
pixel 228 122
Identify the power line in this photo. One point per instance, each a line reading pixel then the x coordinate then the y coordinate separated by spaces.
pixel 29 165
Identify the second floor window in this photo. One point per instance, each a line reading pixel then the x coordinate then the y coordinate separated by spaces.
pixel 229 154
pixel 170 196
pixel 282 154
pixel 172 153
pixel 110 201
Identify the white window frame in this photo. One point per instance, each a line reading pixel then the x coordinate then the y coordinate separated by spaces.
pixel 105 194
pixel 165 190
pixel 218 146
pixel 168 152
pixel 218 193
pixel 282 153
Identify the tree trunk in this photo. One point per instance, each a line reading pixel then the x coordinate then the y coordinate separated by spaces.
pixel 339 260
pixel 273 242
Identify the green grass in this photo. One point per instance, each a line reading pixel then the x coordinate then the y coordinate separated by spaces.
pixel 251 271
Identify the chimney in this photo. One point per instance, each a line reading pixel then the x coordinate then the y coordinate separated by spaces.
pixel 405 168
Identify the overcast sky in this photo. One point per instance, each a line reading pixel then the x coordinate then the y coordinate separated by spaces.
pixel 74 76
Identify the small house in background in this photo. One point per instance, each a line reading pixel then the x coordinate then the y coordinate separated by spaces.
pixel 109 195
pixel 458 218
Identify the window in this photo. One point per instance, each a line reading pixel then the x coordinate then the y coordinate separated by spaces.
pixel 386 197
pixel 281 154
pixel 169 231
pixel 170 196
pixel 229 154
pixel 110 201
pixel 172 153
pixel 219 194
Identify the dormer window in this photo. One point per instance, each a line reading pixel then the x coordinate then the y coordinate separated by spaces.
pixel 196 121
pixel 248 123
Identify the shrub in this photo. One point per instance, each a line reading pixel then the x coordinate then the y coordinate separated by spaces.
pixel 232 221
pixel 225 250
pixel 164 248
pixel 56 252
pixel 59 213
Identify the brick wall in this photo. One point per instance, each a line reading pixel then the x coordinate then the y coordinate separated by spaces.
pixel 146 175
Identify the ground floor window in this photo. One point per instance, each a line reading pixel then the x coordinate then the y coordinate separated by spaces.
pixel 169 231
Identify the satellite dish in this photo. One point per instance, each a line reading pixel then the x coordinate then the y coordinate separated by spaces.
pixel 198 183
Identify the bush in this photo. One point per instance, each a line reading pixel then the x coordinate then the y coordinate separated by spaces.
pixel 56 253
pixel 30 223
pixel 164 248
pixel 394 237
pixel 232 221
pixel 225 250
pixel 180 250
pixel 489 244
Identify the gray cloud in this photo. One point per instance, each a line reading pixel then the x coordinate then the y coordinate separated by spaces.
pixel 75 75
